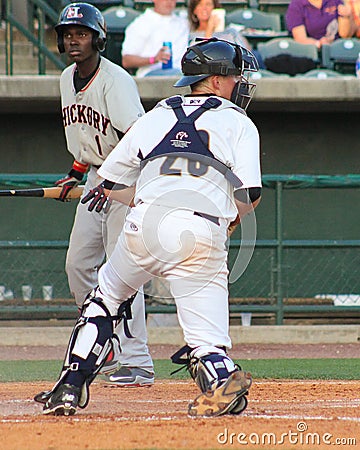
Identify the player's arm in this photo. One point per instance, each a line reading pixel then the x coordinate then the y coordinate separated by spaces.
pixel 72 179
pixel 246 200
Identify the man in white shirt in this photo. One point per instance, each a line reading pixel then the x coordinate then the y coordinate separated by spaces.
pixel 144 37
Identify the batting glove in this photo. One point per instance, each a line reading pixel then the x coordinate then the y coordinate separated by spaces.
pixel 73 179
pixel 99 199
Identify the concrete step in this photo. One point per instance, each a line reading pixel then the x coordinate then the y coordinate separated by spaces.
pixel 25 54
pixel 27 66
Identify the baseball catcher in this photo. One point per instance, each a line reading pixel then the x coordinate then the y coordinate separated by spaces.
pixel 193 163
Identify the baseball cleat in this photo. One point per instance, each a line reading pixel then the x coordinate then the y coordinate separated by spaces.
pixel 42 397
pixel 63 401
pixel 223 399
pixel 130 377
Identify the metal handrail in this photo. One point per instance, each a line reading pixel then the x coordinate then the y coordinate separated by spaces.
pixel 43 10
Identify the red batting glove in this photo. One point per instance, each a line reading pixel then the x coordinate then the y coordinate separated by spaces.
pixel 73 179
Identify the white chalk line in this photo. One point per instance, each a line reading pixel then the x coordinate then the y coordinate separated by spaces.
pixel 169 418
pixel 354 403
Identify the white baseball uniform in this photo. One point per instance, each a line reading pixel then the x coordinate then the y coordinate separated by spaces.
pixel 183 205
pixel 94 119
pixel 147 33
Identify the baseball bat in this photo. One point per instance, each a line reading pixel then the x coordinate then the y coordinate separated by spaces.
pixel 49 192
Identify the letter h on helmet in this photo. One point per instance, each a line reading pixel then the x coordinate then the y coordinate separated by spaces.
pixel 87 16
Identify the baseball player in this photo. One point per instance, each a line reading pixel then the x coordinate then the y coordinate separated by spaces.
pixel 100 102
pixel 193 164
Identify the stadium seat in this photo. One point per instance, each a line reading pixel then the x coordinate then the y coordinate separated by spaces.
pixel 321 74
pixel 263 73
pixel 117 18
pixel 252 18
pixel 285 55
pixel 341 55
pixel 278 6
pixel 164 73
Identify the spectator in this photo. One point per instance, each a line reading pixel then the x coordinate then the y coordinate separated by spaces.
pixel 204 23
pixel 317 21
pixel 352 9
pixel 143 44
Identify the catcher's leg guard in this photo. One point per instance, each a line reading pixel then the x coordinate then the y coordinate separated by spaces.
pixel 89 345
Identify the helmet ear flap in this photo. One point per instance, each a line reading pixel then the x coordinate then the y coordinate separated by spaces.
pixel 99 43
pixel 60 42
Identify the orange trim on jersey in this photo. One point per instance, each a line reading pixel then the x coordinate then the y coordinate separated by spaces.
pixel 92 79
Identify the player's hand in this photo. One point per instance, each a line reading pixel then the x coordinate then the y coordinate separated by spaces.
pixel 71 180
pixel 233 225
pixel 99 199
pixel 67 183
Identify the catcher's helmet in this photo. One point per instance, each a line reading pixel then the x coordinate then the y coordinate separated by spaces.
pixel 215 57
pixel 218 57
pixel 82 14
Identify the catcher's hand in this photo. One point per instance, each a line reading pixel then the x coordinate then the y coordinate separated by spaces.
pixel 99 199
pixel 233 225
pixel 71 180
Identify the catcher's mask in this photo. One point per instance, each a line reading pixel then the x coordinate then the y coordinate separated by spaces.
pixel 218 57
pixel 87 16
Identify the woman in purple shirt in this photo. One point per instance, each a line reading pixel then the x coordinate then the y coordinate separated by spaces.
pixel 318 21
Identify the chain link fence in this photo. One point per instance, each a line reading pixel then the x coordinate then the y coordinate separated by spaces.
pixel 283 274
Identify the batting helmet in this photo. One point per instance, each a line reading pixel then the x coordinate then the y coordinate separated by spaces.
pixel 218 57
pixel 87 16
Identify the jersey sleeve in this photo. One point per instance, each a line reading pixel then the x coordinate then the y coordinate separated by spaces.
pixel 247 155
pixel 123 102
pixel 123 164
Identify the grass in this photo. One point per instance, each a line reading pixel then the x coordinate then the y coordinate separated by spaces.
pixel 301 369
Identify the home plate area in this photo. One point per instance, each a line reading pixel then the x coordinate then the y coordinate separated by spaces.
pixel 281 414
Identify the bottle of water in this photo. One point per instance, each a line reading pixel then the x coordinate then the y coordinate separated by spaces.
pixel 357 67
pixel 169 64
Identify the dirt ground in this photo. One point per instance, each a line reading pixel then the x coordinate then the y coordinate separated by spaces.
pixel 239 351
pixel 283 414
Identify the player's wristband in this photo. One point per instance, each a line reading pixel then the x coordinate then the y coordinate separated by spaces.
pixel 107 184
pixel 152 60
pixel 79 167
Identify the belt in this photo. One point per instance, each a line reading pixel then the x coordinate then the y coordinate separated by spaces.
pixel 212 219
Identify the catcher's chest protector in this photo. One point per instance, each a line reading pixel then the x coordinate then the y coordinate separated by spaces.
pixel 184 137
pixel 184 140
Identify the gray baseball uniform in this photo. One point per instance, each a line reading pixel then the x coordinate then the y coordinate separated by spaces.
pixel 94 119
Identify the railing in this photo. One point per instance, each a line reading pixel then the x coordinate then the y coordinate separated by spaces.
pixel 40 11
pixel 281 270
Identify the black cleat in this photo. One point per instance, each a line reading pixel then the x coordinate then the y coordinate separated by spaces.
pixel 63 402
